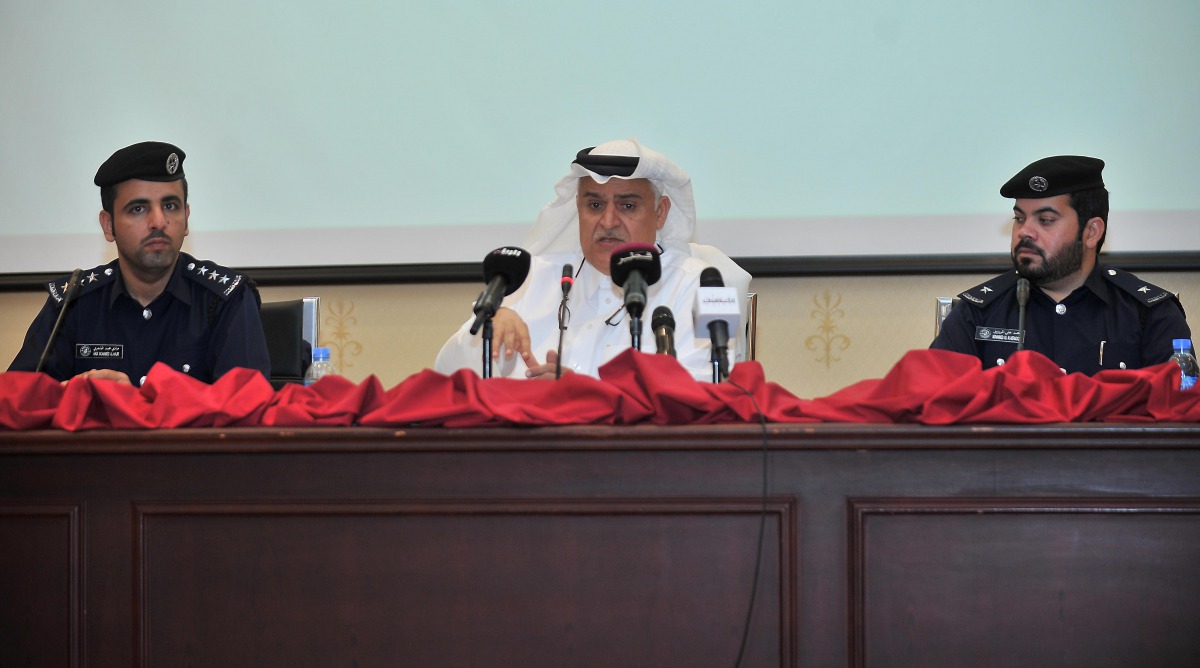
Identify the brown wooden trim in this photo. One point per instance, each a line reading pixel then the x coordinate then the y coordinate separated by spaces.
pixel 780 437
pixel 759 267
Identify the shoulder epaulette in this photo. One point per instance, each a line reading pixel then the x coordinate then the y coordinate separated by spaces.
pixel 1146 293
pixel 982 294
pixel 221 280
pixel 89 280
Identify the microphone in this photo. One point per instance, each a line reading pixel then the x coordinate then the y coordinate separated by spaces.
pixel 635 267
pixel 717 313
pixel 504 270
pixel 72 291
pixel 663 324
pixel 1022 300
pixel 567 280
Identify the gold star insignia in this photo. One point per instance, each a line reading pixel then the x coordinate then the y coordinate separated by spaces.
pixel 91 277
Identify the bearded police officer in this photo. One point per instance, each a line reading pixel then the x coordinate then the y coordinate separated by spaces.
pixel 153 303
pixel 1085 316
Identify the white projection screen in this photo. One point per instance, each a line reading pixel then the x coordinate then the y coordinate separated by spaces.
pixel 406 133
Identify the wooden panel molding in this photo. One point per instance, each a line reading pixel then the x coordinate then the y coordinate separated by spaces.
pixel 41 593
pixel 546 582
pixel 1009 581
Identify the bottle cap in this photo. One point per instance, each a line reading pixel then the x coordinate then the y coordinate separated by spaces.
pixel 1181 344
pixel 320 353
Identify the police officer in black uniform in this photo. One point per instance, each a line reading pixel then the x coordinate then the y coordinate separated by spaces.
pixel 1084 316
pixel 153 303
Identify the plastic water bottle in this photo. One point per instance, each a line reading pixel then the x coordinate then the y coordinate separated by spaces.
pixel 1186 359
pixel 321 366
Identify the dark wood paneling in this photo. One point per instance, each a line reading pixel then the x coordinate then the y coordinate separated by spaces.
pixel 545 583
pixel 885 544
pixel 40 563
pixel 1107 582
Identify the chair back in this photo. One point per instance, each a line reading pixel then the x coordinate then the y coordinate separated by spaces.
pixel 291 328
pixel 944 304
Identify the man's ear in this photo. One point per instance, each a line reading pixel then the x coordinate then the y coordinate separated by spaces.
pixel 664 207
pixel 106 225
pixel 1094 232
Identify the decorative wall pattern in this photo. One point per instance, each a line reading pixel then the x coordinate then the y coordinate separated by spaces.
pixel 827 312
pixel 882 318
pixel 340 317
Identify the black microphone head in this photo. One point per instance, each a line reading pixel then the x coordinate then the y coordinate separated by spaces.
pixel 711 278
pixel 631 257
pixel 73 284
pixel 568 278
pixel 1022 291
pixel 662 318
pixel 510 262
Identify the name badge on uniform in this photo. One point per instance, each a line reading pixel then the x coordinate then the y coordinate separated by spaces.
pixel 108 351
pixel 997 334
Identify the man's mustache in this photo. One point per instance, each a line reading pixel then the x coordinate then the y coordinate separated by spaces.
pixel 156 234
pixel 1026 243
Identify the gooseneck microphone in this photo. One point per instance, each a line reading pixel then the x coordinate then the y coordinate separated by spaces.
pixel 634 267
pixel 717 312
pixel 504 270
pixel 568 278
pixel 567 281
pixel 1022 300
pixel 68 297
pixel 663 324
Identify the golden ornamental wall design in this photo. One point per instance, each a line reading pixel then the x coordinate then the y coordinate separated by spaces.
pixel 340 316
pixel 828 310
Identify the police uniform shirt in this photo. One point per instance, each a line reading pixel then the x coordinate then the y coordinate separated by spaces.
pixel 1114 321
pixel 203 324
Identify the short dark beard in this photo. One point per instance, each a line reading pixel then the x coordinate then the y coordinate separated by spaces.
pixel 151 264
pixel 1068 261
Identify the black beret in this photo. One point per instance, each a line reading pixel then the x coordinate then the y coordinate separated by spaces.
pixel 1057 175
pixel 147 161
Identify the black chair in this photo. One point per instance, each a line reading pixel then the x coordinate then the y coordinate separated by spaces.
pixel 291 330
pixel 944 305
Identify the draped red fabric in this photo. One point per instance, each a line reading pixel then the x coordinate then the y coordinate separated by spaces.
pixel 463 399
pixel 939 387
pixel 28 400
pixel 931 387
pixel 332 401
pixel 166 399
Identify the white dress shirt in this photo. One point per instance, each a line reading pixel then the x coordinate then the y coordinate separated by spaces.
pixel 589 342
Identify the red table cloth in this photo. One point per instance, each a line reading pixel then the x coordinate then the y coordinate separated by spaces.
pixel 931 387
